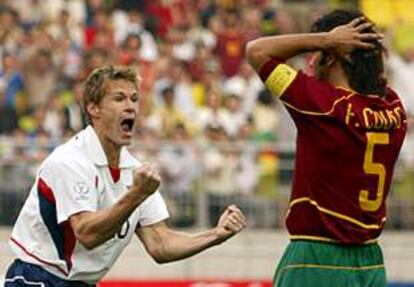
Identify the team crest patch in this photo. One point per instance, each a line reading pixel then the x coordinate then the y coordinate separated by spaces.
pixel 280 79
pixel 82 190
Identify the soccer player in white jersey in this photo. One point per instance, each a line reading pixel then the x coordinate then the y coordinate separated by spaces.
pixel 90 196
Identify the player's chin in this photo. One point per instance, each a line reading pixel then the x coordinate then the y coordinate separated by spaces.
pixel 124 137
pixel 125 140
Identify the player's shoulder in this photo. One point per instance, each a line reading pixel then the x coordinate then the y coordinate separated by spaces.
pixel 128 160
pixel 391 98
pixel 71 154
pixel 392 94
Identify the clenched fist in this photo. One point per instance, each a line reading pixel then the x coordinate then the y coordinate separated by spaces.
pixel 231 222
pixel 146 181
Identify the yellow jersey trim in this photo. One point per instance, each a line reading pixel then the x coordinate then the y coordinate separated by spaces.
pixel 320 113
pixel 280 79
pixel 331 267
pixel 336 214
pixel 352 91
pixel 325 239
pixel 345 89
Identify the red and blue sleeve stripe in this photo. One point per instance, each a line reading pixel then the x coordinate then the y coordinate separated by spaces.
pixel 62 234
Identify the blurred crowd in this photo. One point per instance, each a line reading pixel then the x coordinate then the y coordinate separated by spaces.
pixel 189 54
pixel 196 87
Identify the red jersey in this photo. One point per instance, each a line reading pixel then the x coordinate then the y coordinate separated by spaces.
pixel 347 145
pixel 230 51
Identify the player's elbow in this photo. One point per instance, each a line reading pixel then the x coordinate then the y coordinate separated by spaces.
pixel 89 242
pixel 254 54
pixel 161 260
pixel 159 256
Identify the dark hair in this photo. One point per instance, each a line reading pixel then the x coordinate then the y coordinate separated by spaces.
pixel 365 69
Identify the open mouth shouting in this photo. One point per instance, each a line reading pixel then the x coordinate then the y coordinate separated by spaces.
pixel 127 125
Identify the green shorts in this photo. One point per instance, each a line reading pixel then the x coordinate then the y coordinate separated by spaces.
pixel 320 264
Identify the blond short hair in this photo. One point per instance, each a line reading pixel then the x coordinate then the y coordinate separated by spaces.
pixel 95 84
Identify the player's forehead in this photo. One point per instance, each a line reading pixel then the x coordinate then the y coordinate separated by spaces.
pixel 113 86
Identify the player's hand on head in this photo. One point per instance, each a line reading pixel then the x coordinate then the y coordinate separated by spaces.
pixel 146 180
pixel 346 38
pixel 231 222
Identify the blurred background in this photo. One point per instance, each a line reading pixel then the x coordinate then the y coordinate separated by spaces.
pixel 206 122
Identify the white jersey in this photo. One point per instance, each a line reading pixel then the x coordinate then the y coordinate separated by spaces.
pixel 74 178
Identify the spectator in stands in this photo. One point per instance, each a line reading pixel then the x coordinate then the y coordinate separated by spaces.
pixel 10 29
pixel 218 166
pixel 230 44
pixel 68 57
pixel 40 77
pixel 99 34
pixel 74 118
pixel 401 67
pixel 213 114
pixel 266 118
pixel 8 122
pixel 178 167
pixel 129 51
pixel 168 116
pixel 160 17
pixel 245 84
pixel 11 78
pixel 65 27
pixel 251 22
pixel 183 89
pixel 94 58
pixel 202 35
pixel 133 24
pixel 236 117
pixel 183 48
pixel 54 122
pixel 149 145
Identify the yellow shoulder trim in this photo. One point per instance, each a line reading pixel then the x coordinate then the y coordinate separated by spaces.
pixel 280 79
pixel 336 214
pixel 330 111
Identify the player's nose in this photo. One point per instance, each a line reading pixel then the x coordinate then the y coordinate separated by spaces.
pixel 130 105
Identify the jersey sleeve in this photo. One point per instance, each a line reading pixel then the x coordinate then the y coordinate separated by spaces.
pixel 153 210
pixel 71 186
pixel 299 92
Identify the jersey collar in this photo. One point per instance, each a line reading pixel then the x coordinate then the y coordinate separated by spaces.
pixel 97 154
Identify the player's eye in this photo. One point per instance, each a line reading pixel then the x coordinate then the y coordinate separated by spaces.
pixel 119 97
pixel 134 98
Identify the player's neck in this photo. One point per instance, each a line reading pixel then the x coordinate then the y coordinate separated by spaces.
pixel 337 78
pixel 111 149
pixel 112 152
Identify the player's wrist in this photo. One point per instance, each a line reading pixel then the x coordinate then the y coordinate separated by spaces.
pixel 135 196
pixel 325 40
pixel 222 234
pixel 217 237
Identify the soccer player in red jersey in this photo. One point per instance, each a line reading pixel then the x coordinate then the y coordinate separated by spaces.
pixel 350 128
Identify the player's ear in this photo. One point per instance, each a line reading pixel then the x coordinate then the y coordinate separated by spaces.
pixel 93 110
pixel 331 59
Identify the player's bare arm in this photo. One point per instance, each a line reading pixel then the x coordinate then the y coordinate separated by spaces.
pixel 94 228
pixel 342 40
pixel 166 245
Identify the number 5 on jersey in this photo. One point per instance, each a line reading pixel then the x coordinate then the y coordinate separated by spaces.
pixel 371 167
